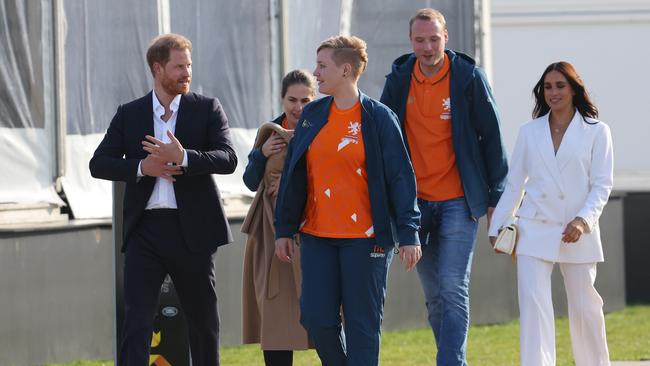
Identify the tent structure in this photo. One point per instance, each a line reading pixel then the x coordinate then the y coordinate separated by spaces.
pixel 66 65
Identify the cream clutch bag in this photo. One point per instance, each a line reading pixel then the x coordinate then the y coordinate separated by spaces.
pixel 507 239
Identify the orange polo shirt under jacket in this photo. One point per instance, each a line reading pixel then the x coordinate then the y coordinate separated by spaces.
pixel 428 132
pixel 338 204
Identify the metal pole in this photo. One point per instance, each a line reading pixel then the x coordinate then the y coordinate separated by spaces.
pixel 164 19
pixel 345 22
pixel 278 34
pixel 284 38
pixel 59 94
pixel 484 44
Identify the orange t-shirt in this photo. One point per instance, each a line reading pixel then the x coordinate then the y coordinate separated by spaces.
pixel 428 130
pixel 338 204
pixel 285 123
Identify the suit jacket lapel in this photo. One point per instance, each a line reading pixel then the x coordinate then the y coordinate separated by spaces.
pixel 545 149
pixel 570 141
pixel 144 117
pixel 147 116
pixel 185 113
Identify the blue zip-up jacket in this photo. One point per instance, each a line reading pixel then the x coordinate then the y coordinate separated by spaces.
pixel 480 153
pixel 391 181
pixel 257 163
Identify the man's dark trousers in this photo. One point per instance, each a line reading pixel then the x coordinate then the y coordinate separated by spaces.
pixel 155 244
pixel 157 248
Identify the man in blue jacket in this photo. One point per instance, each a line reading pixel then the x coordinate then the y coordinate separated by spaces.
pixel 451 126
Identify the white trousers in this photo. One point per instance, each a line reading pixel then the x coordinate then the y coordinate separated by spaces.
pixel 586 320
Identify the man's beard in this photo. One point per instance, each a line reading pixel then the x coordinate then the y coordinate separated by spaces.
pixel 173 87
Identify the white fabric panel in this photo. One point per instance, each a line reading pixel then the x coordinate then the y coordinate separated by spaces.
pixel 308 24
pixel 384 25
pixel 26 113
pixel 233 184
pixel 105 49
pixel 27 166
pixel 104 65
pixel 231 55
pixel 23 63
pixel 89 198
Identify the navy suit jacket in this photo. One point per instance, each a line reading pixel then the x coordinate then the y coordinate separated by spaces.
pixel 202 129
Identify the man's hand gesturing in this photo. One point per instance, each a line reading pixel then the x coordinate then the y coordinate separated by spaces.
pixel 156 167
pixel 172 152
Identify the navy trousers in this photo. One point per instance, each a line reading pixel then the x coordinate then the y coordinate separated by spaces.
pixel 347 274
pixel 156 248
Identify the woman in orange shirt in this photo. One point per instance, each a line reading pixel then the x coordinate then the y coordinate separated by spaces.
pixel 348 187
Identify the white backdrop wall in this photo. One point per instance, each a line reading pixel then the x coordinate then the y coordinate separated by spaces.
pixel 605 41
pixel 229 62
pixel 26 112
pixel 308 24
pixel 104 67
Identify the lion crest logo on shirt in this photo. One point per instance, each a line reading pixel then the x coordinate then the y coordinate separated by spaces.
pixel 352 136
pixel 446 108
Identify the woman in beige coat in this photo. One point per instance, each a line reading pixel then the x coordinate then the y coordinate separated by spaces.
pixel 271 291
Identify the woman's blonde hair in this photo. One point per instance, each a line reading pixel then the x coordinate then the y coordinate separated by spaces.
pixel 348 49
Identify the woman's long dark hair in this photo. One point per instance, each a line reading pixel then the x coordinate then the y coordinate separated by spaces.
pixel 581 99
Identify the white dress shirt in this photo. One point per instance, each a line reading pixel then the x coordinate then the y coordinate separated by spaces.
pixel 163 195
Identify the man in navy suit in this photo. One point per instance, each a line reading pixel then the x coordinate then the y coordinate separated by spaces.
pixel 165 146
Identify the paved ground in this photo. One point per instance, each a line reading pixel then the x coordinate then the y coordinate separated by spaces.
pixel 631 363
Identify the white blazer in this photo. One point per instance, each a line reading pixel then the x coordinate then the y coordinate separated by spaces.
pixel 557 188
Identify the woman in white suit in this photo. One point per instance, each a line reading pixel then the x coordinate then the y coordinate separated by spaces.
pixel 560 178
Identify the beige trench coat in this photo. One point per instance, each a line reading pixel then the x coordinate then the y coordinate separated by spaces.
pixel 271 288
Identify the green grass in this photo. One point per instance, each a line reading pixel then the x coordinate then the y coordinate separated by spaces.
pixel 628 336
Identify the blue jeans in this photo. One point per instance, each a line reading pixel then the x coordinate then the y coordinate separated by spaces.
pixel 447 234
pixel 349 274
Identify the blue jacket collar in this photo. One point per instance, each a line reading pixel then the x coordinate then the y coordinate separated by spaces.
pixel 315 117
pixel 278 119
pixel 462 67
